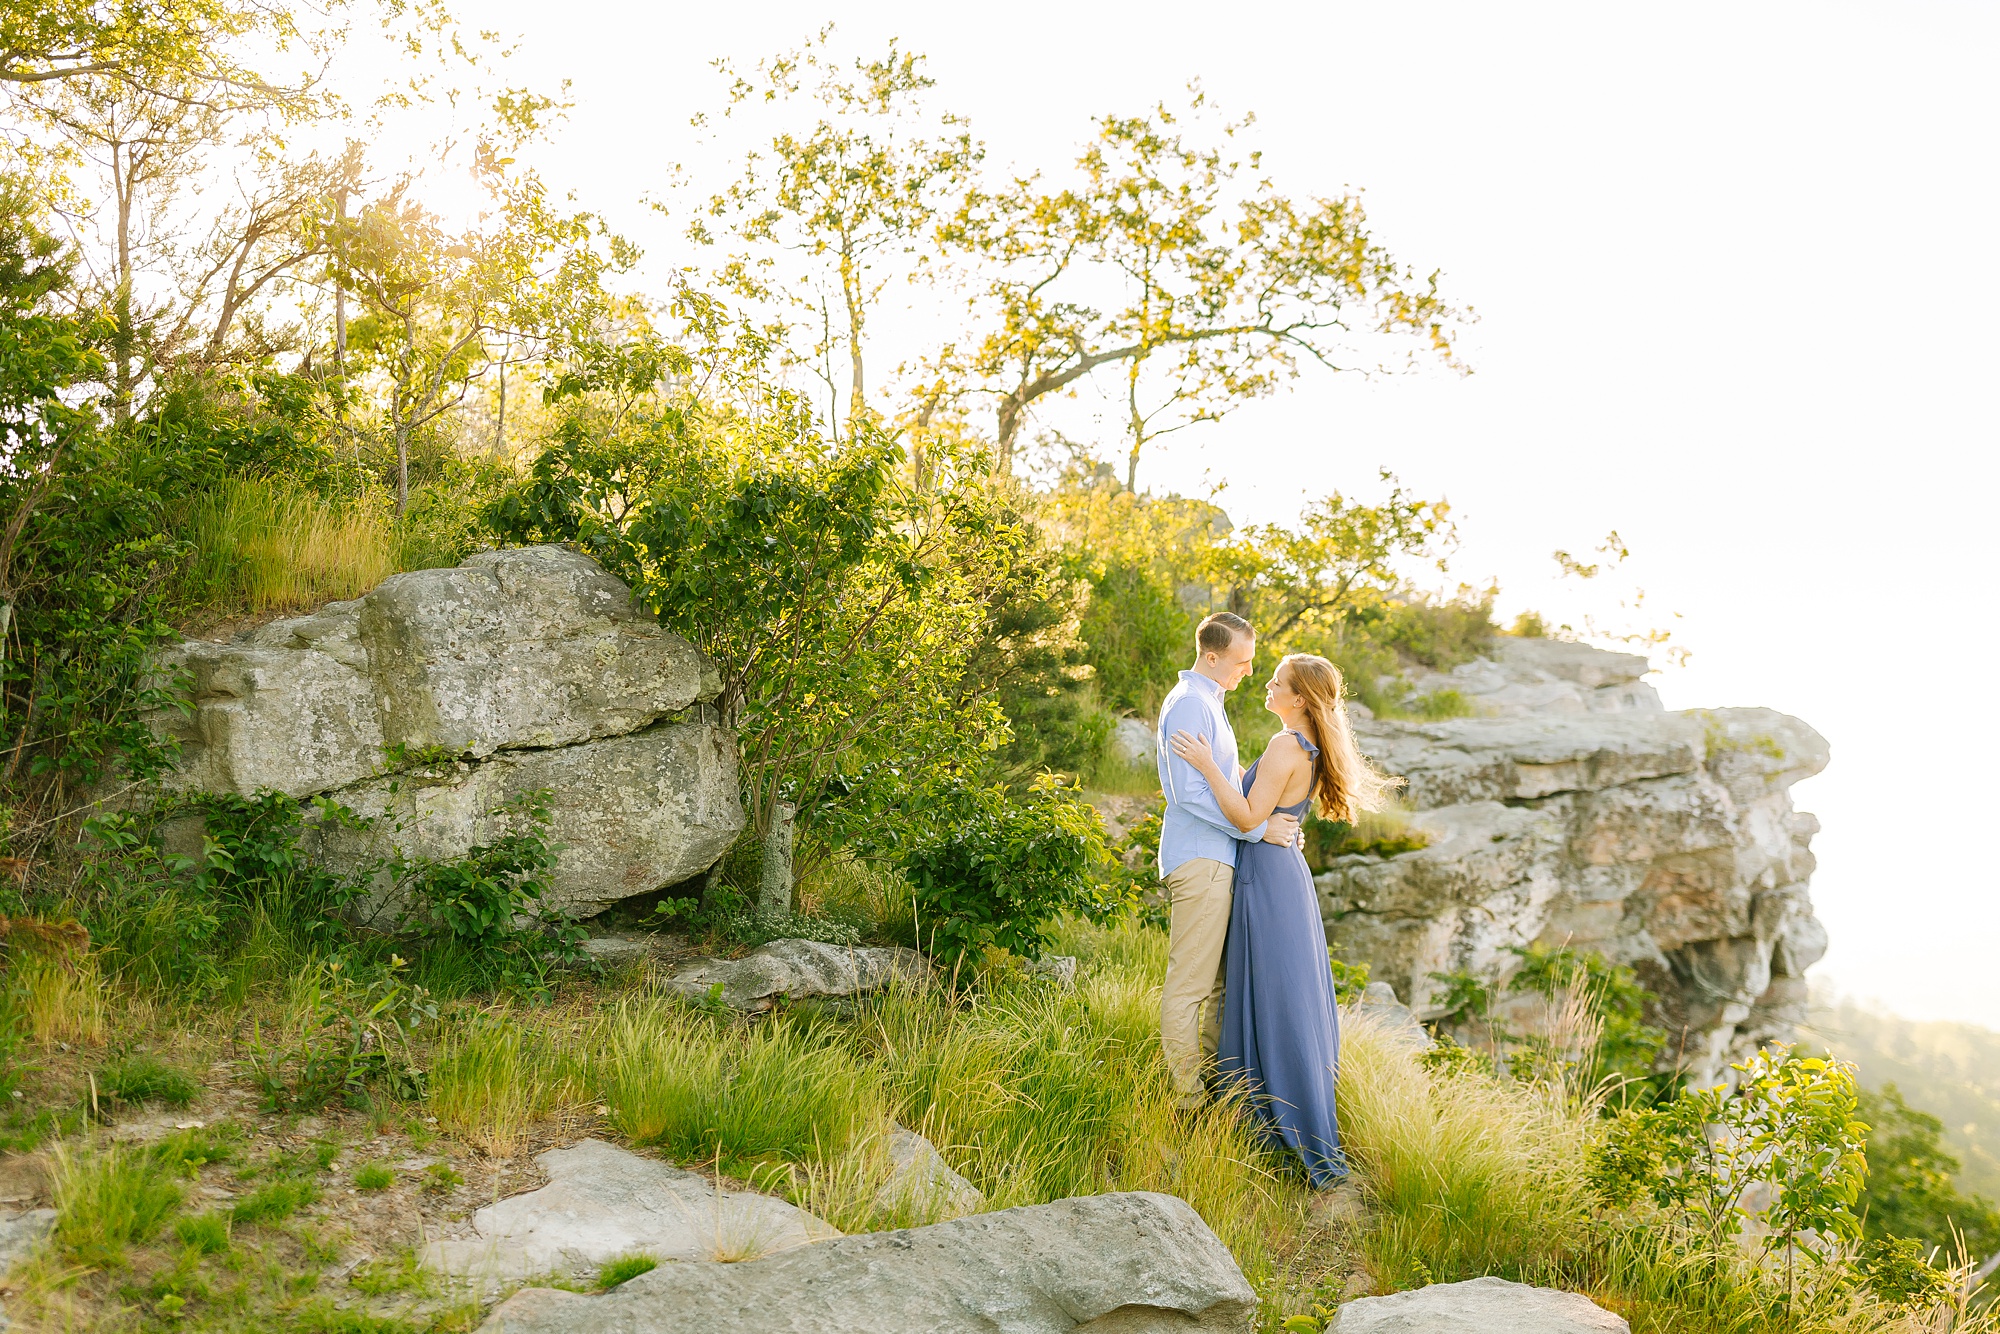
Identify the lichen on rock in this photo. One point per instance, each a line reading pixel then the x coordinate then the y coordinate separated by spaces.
pixel 440 696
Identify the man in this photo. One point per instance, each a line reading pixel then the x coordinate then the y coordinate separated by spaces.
pixel 1198 850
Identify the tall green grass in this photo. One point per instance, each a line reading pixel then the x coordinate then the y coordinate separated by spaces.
pixel 494 1079
pixel 264 544
pixel 108 1200
pixel 700 1089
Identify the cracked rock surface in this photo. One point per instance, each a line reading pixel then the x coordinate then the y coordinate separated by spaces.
pixel 1576 812
pixel 441 695
pixel 1133 1263
pixel 602 1202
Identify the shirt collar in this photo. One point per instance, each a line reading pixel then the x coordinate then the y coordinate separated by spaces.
pixel 1196 681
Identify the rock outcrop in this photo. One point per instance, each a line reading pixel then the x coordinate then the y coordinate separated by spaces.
pixel 1575 811
pixel 1478 1306
pixel 432 702
pixel 1132 1263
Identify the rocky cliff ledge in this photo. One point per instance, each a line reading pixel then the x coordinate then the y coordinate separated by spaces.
pixel 1574 810
pixel 442 695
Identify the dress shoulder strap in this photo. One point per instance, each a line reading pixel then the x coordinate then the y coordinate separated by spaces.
pixel 1305 742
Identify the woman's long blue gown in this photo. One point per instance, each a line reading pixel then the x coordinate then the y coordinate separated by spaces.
pixel 1280 1035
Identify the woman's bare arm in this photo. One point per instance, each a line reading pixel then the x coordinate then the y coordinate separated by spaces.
pixel 1283 759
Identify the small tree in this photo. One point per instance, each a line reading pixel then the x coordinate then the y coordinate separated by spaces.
pixel 1159 262
pixel 443 306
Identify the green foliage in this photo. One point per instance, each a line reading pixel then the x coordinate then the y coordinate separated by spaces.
pixel 441 1178
pixel 374 1176
pixel 108 1200
pixel 489 904
pixel 350 1035
pixel 1350 980
pixel 206 1233
pixel 700 1093
pixel 196 926
pixel 137 1079
pixel 1790 1126
pixel 275 1201
pixel 1372 836
pixel 624 1268
pixel 1626 1046
pixel 1000 871
pixel 1911 1189
pixel 845 605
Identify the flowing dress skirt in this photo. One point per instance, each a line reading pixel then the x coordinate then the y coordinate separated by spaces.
pixel 1280 1033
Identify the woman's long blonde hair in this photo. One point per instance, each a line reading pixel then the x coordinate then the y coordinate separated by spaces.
pixel 1344 782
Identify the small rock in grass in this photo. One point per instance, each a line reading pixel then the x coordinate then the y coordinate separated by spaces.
pixel 798 969
pixel 1478 1306
pixel 924 1181
pixel 1057 968
pixel 20 1231
pixel 603 1202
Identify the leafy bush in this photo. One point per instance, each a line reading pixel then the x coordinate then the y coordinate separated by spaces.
pixel 346 1036
pixel 1790 1128
pixel 489 904
pixel 1911 1192
pixel 999 874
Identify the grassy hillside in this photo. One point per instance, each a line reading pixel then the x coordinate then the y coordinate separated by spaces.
pixel 1951 1070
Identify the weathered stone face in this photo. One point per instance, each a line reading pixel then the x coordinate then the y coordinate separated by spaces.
pixel 1663 841
pixel 443 694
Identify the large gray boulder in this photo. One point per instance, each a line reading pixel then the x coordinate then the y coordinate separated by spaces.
pixel 602 1202
pixel 1664 841
pixel 1131 1263
pixel 797 969
pixel 442 694
pixel 1478 1306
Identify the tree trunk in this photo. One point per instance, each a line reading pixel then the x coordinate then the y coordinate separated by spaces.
pixel 121 375
pixel 774 891
pixel 402 468
pixel 500 428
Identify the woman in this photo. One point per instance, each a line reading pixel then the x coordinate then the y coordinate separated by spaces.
pixel 1280 1036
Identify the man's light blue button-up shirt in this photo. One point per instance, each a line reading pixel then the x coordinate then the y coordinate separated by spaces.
pixel 1194 826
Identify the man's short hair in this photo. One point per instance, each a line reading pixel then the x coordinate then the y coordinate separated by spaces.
pixel 1219 630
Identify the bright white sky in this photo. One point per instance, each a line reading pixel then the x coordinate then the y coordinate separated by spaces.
pixel 1736 278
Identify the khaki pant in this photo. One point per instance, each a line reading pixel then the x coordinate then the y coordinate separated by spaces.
pixel 1191 1000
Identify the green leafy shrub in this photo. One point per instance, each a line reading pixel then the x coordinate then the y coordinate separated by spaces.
pixel 490 904
pixel 350 1035
pixel 1790 1126
pixel 1350 980
pixel 1911 1191
pixel 1002 872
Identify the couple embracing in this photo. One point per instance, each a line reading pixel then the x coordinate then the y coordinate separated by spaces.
pixel 1248 1001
